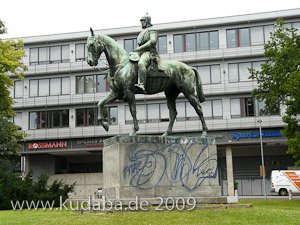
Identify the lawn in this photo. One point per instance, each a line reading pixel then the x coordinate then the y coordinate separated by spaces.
pixel 262 212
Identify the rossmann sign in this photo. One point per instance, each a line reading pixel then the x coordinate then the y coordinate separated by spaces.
pixel 252 134
pixel 47 145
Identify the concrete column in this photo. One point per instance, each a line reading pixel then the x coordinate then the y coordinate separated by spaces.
pixel 229 166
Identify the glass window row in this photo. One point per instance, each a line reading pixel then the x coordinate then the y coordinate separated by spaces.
pixel 239 72
pixel 89 116
pixel 150 113
pixel 49 55
pixel 161 45
pixel 52 86
pixel 91 84
pixel 196 41
pixel 154 113
pixel 48 119
pixel 247 107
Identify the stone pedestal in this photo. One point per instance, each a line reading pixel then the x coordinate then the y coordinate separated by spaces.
pixel 152 166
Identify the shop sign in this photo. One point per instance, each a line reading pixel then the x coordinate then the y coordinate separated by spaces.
pixel 89 143
pixel 252 134
pixel 48 145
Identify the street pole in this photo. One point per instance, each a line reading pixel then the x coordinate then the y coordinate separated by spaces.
pixel 262 159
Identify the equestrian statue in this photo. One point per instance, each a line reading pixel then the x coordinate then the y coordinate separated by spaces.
pixel 143 72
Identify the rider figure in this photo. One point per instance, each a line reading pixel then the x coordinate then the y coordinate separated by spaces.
pixel 146 46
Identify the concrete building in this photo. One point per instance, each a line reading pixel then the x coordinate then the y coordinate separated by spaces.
pixel 56 101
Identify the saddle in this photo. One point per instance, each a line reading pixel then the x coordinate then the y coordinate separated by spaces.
pixel 155 62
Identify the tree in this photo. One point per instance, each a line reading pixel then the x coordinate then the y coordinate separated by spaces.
pixel 279 81
pixel 10 65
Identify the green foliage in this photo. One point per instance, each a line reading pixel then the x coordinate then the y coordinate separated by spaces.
pixel 11 53
pixel 279 81
pixel 13 188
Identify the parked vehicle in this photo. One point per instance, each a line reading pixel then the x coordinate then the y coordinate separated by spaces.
pixel 285 180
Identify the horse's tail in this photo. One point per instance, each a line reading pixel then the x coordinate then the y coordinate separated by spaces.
pixel 199 88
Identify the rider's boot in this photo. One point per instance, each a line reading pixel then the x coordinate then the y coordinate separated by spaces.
pixel 142 77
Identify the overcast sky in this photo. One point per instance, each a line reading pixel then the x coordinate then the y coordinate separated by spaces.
pixel 25 18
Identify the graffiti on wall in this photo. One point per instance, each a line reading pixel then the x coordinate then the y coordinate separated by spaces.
pixel 151 164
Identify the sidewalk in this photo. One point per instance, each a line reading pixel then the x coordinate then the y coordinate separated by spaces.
pixel 269 197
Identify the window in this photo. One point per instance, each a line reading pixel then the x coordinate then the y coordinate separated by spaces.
pixel 17 90
pixel 261 109
pixel 18 119
pixel 297 26
pixel 89 116
pixel 212 109
pixel 162 45
pixel 43 87
pixel 80 52
pixel 153 113
pixel 141 113
pixel 210 74
pixel 238 38
pixel 190 112
pixel 46 87
pixel 91 84
pixel 48 119
pixel 164 112
pixel 33 88
pixel 239 71
pixel 55 86
pixel 257 35
pixel 242 107
pixel 196 41
pixel 190 42
pixel 181 113
pixel 178 43
pixel 52 54
pixel 267 32
pixel 130 45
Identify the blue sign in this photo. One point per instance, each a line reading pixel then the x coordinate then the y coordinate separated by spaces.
pixel 252 134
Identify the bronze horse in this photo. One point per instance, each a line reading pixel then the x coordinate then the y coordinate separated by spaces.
pixel 173 78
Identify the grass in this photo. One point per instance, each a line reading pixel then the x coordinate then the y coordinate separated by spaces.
pixel 262 212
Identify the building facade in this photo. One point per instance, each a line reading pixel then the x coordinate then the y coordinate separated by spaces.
pixel 56 102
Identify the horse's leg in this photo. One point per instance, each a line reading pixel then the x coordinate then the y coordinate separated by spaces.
pixel 171 98
pixel 196 104
pixel 132 107
pixel 107 99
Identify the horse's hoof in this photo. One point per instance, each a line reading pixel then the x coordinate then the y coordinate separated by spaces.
pixel 104 124
pixel 133 133
pixel 204 134
pixel 165 134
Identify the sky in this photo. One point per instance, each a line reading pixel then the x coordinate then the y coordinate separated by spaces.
pixel 24 18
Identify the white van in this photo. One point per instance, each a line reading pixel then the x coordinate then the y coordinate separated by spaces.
pixel 285 180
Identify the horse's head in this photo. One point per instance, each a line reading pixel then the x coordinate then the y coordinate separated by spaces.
pixel 94 48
